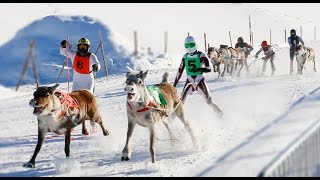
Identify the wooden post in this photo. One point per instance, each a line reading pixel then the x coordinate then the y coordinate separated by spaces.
pixel 301 31
pixel 205 42
pixel 252 38
pixel 103 56
pixel 26 64
pixel 208 45
pixel 230 38
pixel 250 30
pixel 285 35
pixel 270 36
pixel 315 33
pixel 188 34
pixel 98 48
pixel 34 67
pixel 135 42
pixel 165 42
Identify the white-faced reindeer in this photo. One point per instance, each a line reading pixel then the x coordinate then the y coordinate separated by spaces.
pixel 305 54
pixel 55 116
pixel 228 60
pixel 215 59
pixel 240 56
pixel 142 109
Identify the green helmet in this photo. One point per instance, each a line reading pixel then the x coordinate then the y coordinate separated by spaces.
pixel 83 41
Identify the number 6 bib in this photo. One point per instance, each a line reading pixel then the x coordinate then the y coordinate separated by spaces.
pixel 81 64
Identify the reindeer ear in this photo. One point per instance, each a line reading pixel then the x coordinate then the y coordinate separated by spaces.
pixel 53 88
pixel 128 74
pixel 144 75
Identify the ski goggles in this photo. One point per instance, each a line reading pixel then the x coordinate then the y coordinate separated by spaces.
pixel 189 45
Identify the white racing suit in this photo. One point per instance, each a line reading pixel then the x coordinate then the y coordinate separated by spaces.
pixel 82 69
pixel 196 64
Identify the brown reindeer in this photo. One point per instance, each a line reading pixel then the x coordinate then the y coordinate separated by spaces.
pixel 305 54
pixel 142 109
pixel 55 116
pixel 215 59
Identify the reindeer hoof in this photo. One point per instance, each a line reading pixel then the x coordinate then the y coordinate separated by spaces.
pixel 85 132
pixel 124 158
pixel 29 165
pixel 106 133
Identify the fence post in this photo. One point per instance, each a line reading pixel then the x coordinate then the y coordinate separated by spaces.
pixel 315 33
pixel 252 38
pixel 103 55
pixel 230 38
pixel 270 36
pixel 25 67
pixel 165 41
pixel 285 35
pixel 205 42
pixel 250 30
pixel 135 42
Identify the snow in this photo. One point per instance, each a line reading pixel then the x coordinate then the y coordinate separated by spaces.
pixel 261 116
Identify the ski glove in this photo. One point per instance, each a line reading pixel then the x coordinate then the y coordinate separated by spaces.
pixel 64 43
pixel 95 67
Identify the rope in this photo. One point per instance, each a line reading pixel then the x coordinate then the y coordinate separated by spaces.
pixel 165 139
pixel 162 109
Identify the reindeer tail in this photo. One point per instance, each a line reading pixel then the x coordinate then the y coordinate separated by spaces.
pixel 165 77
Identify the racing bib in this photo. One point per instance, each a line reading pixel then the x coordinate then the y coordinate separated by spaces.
pixel 192 62
pixel 81 64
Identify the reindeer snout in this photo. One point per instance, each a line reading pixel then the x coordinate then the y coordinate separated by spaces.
pixel 32 102
pixel 128 89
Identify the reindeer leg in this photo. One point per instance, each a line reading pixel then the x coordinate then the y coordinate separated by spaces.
pixel 84 129
pixel 41 135
pixel 126 152
pixel 240 69
pixel 67 143
pixel 152 130
pixel 219 71
pixel 180 114
pixel 224 69
pixel 246 65
pixel 173 140
pixel 100 122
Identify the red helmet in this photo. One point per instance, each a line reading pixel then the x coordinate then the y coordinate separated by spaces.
pixel 264 44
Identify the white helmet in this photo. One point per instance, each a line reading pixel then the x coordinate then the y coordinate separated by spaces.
pixel 190 44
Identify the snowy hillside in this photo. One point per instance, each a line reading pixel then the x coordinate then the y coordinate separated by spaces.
pixel 49 31
pixel 235 146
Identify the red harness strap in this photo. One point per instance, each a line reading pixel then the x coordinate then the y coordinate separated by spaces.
pixel 68 100
pixel 143 109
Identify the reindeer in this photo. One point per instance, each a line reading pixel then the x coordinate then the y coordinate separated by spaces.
pixel 215 59
pixel 55 116
pixel 240 56
pixel 228 61
pixel 303 55
pixel 142 109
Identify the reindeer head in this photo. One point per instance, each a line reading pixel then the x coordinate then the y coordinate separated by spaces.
pixel 135 86
pixel 223 51
pixel 300 51
pixel 43 101
pixel 210 51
